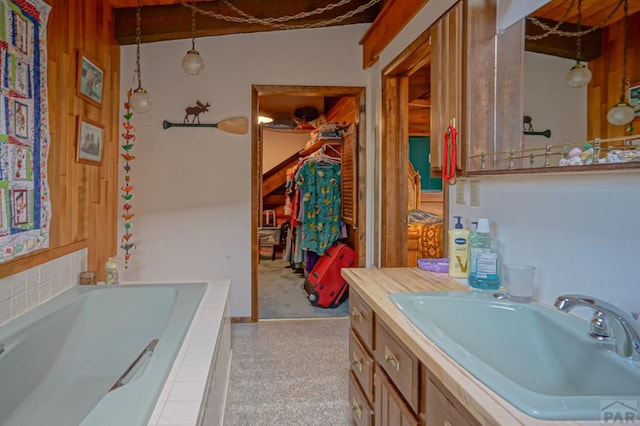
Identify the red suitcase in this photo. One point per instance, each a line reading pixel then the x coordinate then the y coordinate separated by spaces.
pixel 325 286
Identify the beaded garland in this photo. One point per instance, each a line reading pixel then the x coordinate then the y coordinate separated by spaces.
pixel 127 190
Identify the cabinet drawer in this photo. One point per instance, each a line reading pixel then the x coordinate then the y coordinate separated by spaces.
pixel 443 409
pixel 398 362
pixel 361 411
pixel 361 364
pixel 361 319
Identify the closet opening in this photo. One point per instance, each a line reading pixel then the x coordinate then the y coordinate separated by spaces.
pixel 315 133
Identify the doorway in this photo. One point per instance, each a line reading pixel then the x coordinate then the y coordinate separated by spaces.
pixel 407 98
pixel 258 200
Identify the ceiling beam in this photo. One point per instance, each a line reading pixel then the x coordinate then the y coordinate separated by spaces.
pixel 393 17
pixel 564 47
pixel 173 22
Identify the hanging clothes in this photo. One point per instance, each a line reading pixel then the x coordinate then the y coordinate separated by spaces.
pixel 319 183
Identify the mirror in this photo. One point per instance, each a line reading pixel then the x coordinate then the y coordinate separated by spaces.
pixel 542 122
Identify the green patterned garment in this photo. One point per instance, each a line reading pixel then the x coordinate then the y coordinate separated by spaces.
pixel 319 186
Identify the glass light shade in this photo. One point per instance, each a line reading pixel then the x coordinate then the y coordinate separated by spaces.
pixel 192 62
pixel 578 76
pixel 264 119
pixel 621 114
pixel 140 100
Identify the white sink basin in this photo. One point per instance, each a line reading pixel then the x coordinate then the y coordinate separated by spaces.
pixel 536 357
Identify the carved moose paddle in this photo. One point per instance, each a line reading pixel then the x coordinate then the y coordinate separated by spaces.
pixel 238 126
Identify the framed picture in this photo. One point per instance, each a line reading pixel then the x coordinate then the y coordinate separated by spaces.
pixel 634 98
pixel 90 79
pixel 20 206
pixel 89 142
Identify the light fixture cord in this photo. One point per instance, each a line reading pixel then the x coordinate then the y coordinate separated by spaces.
pixel 579 27
pixel 623 95
pixel 138 38
pixel 193 26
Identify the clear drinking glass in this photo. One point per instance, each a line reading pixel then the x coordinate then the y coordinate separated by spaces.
pixel 519 281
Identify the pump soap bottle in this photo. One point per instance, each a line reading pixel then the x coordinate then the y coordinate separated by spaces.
pixel 458 250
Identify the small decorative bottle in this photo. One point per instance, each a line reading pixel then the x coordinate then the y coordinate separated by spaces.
pixel 111 271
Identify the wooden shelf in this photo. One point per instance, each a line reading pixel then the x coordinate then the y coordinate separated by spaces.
pixel 318 144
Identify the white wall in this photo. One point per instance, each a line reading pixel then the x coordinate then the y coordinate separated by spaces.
pixel 552 104
pixel 193 185
pixel 278 145
pixel 578 230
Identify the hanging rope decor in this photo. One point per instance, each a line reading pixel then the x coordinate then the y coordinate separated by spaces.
pixel 280 22
pixel 129 138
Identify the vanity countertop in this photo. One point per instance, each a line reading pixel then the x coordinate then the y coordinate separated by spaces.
pixel 375 284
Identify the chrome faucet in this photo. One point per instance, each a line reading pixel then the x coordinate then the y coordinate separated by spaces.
pixel 626 335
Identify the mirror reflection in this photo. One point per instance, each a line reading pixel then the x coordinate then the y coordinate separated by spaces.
pixel 575 56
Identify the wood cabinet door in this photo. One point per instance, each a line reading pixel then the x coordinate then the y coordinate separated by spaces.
pixel 446 82
pixel 390 408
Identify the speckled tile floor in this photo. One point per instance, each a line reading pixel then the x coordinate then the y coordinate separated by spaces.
pixel 289 372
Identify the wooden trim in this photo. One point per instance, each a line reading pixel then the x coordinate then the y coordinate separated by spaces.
pixel 241 320
pixel 393 17
pixel 395 156
pixel 37 258
pixel 256 174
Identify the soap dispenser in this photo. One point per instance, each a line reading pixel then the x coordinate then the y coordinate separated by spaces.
pixel 458 250
pixel 483 264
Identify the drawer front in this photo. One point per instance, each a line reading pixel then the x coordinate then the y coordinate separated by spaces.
pixel 361 411
pixel 444 410
pixel 361 364
pixel 361 319
pixel 398 362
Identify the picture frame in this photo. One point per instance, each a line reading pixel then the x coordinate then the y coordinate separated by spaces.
pixel 634 98
pixel 90 84
pixel 89 142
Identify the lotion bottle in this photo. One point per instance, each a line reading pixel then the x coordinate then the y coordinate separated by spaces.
pixel 458 250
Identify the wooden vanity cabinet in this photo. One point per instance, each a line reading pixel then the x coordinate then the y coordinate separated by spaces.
pixel 388 385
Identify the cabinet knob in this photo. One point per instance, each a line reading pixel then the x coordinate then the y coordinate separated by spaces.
pixel 356 362
pixel 391 359
pixel 355 409
pixel 355 314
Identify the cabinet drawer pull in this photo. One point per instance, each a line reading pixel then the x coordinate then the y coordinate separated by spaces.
pixel 356 363
pixel 355 313
pixel 391 358
pixel 355 408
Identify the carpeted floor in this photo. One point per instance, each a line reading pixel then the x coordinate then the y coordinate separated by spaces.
pixel 290 372
pixel 280 294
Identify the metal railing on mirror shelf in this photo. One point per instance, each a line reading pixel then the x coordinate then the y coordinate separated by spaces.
pixel 624 149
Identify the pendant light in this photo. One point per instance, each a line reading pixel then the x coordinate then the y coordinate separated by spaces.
pixel 579 75
pixel 140 100
pixel 192 62
pixel 622 113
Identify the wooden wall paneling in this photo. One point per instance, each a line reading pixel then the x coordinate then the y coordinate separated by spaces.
pixel 84 198
pixel 604 89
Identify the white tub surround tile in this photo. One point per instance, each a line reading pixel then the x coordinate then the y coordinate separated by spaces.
pixel 28 289
pixel 201 368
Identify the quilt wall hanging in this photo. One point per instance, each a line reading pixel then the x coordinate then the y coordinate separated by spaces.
pixel 25 209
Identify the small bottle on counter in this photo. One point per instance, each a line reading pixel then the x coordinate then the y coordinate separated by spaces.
pixel 111 271
pixel 483 265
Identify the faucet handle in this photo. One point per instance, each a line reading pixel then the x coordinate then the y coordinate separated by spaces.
pixel 599 326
